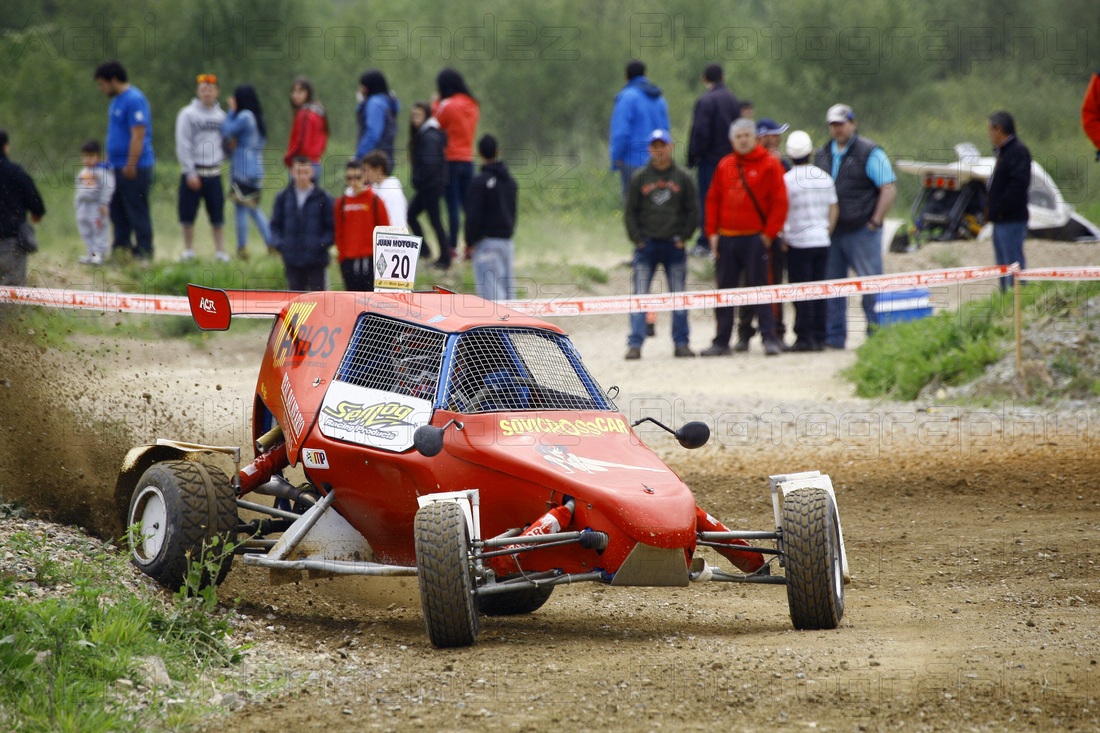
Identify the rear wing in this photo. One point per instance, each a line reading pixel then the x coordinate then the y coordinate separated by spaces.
pixel 213 308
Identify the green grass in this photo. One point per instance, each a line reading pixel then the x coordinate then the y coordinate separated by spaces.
pixel 953 348
pixel 64 653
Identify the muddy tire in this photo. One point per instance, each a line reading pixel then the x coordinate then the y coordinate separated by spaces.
pixel 443 569
pixel 515 603
pixel 181 506
pixel 811 548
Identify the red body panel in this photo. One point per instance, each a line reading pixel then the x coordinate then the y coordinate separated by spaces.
pixel 522 463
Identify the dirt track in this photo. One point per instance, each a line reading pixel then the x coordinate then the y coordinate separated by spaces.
pixel 971 536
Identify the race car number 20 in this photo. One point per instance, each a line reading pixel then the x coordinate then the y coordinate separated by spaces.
pixel 395 256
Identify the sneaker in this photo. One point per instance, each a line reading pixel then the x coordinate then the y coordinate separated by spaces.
pixel 802 345
pixel 633 353
pixel 650 329
pixel 84 259
pixel 683 351
pixel 242 254
pixel 834 347
pixel 715 350
pixel 772 348
pixel 187 255
pixel 223 257
pixel 741 346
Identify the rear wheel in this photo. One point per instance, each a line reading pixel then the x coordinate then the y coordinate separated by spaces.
pixel 515 603
pixel 180 508
pixel 443 567
pixel 811 550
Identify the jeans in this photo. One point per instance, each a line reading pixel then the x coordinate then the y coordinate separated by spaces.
pixel 1008 246
pixel 493 268
pixel 859 250
pixel 241 217
pixel 704 174
pixel 130 213
pixel 459 175
pixel 652 253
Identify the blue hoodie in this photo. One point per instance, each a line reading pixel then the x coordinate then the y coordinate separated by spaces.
pixel 378 116
pixel 639 110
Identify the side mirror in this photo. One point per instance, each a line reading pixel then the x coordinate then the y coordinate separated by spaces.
pixel 693 435
pixel 428 440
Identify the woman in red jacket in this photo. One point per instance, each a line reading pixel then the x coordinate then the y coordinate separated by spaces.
pixel 309 133
pixel 457 112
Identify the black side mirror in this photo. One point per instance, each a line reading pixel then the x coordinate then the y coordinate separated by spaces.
pixel 428 440
pixel 693 435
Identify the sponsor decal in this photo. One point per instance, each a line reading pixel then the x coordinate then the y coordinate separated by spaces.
pixel 293 412
pixel 207 304
pixel 569 462
pixel 314 458
pixel 550 426
pixel 371 417
pixel 297 339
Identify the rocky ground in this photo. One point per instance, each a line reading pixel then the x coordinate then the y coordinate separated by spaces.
pixel 971 535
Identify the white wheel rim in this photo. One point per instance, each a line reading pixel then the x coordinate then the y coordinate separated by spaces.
pixel 151 512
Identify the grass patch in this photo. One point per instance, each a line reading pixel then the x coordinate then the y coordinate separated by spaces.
pixel 77 644
pixel 953 348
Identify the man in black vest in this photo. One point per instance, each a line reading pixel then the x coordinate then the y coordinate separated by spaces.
pixel 715 111
pixel 1007 200
pixel 865 191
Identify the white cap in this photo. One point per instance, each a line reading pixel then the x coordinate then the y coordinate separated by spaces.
pixel 799 145
pixel 839 113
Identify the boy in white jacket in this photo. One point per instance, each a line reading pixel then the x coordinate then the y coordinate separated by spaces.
pixel 95 185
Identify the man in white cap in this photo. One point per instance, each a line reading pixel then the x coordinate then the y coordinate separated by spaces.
pixel 810 221
pixel 661 214
pixel 865 192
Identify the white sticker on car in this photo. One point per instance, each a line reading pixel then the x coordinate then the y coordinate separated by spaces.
pixel 372 417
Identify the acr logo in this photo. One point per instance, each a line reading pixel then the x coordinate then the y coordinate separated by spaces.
pixel 314 458
pixel 207 304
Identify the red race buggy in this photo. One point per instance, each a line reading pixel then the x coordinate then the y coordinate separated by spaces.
pixel 450 438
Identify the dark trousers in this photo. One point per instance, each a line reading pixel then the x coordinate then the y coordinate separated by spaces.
pixel 803 266
pixel 777 266
pixel 358 274
pixel 742 257
pixel 704 174
pixel 306 279
pixel 459 173
pixel 428 201
pixel 130 213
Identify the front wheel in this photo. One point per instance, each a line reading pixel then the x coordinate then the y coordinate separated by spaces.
pixel 443 569
pixel 812 559
pixel 177 510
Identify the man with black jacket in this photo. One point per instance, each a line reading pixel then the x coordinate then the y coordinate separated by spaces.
pixel 490 223
pixel 18 195
pixel 865 192
pixel 1007 199
pixel 715 111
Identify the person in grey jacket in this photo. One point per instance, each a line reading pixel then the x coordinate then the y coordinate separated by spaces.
pixel 303 227
pixel 95 185
pixel 200 154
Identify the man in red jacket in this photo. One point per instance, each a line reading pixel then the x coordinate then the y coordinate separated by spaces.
pixel 1090 112
pixel 356 215
pixel 745 211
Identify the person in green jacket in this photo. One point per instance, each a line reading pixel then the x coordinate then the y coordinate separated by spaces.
pixel 661 214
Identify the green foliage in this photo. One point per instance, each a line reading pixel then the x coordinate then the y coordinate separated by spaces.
pixel 953 348
pixel 63 653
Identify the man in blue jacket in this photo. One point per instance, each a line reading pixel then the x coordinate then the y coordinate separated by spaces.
pixel 640 108
pixel 303 228
pixel 1008 186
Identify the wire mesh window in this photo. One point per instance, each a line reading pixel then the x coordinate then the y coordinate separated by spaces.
pixel 393 356
pixel 519 369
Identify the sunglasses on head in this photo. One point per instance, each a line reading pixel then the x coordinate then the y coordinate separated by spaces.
pixel 206 79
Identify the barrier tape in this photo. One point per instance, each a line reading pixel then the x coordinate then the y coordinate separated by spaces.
pixel 177 305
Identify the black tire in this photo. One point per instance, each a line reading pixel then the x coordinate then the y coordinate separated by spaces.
pixel 811 549
pixel 514 603
pixel 182 506
pixel 443 569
